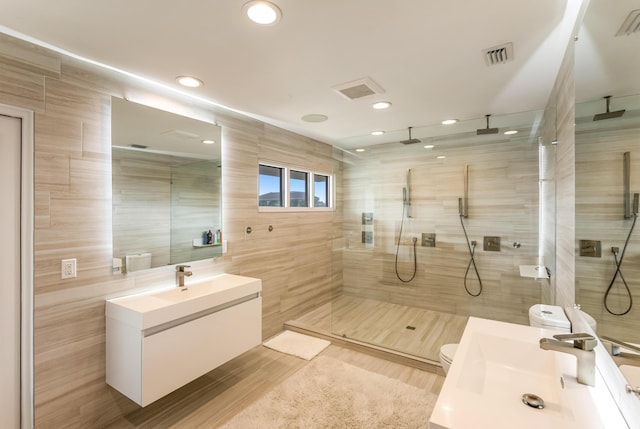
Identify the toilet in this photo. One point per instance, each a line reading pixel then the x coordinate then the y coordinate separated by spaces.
pixel 447 352
pixel 553 317
pixel 549 317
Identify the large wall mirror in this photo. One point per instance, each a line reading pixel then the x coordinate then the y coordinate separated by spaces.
pixel 605 66
pixel 166 179
pixel 607 177
pixel 606 235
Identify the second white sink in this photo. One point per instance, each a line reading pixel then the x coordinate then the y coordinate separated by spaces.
pixel 497 363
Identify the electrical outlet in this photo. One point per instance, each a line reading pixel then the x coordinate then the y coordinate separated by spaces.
pixel 68 268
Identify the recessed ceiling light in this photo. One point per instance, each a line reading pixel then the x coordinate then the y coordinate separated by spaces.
pixel 382 105
pixel 429 146
pixel 189 81
pixel 208 141
pixel 314 117
pixel 360 150
pixel 441 157
pixel 377 133
pixel 449 121
pixel 510 132
pixel 262 12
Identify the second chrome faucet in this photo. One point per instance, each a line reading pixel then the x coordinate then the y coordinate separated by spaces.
pixel 581 346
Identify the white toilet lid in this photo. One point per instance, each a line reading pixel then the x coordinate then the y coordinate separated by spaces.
pixel 448 352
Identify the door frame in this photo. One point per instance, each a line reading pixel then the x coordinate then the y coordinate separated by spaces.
pixel 26 262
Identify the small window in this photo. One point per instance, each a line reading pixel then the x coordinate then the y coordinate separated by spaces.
pixel 293 189
pixel 298 189
pixel 270 184
pixel 320 190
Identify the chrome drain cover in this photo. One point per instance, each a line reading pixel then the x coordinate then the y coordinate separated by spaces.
pixel 534 401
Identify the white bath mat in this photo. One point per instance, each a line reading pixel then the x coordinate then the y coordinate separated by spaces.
pixel 296 344
pixel 328 393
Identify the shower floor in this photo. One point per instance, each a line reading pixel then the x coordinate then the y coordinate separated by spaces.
pixel 388 325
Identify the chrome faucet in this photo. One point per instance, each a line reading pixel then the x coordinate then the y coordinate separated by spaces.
pixel 581 346
pixel 616 345
pixel 181 273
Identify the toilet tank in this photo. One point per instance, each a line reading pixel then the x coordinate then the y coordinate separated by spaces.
pixel 549 317
pixel 141 261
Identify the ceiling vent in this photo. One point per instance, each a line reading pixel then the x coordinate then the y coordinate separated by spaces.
pixel 498 54
pixel 358 89
pixel 630 25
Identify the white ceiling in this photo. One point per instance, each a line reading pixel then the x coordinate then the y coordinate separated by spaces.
pixel 426 54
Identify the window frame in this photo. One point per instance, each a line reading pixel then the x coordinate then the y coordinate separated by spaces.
pixel 283 185
pixel 285 188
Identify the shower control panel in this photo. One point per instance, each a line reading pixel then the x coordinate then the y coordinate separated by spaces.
pixel 428 239
pixel 367 228
pixel 491 244
pixel 591 248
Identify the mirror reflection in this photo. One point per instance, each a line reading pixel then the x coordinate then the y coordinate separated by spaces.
pixel 607 177
pixel 604 66
pixel 166 186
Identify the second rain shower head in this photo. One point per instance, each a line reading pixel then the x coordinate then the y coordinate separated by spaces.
pixel 608 114
pixel 483 131
pixel 410 141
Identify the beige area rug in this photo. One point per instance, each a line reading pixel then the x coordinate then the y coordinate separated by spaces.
pixel 328 393
pixel 296 344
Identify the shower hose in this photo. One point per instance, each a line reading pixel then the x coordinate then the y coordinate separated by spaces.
pixel 415 258
pixel 619 272
pixel 472 261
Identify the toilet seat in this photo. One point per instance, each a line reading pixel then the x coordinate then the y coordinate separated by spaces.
pixel 448 352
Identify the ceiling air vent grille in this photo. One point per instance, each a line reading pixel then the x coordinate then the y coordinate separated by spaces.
pixel 358 89
pixel 498 54
pixel 630 25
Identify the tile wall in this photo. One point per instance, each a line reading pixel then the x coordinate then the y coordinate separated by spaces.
pixel 73 220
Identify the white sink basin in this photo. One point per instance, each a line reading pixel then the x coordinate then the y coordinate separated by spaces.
pixel 496 363
pixel 149 309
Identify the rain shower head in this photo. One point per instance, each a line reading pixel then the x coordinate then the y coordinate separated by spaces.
pixel 483 131
pixel 410 141
pixel 608 114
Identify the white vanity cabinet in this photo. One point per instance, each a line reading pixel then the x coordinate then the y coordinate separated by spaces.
pixel 158 342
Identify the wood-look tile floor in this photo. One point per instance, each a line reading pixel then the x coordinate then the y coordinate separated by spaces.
pixel 216 397
pixel 388 325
